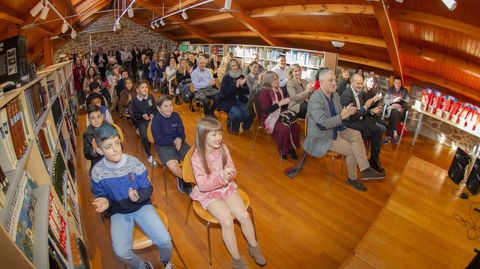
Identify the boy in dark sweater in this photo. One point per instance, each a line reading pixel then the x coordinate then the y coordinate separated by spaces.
pixel 169 135
pixel 96 118
pixel 143 109
pixel 121 187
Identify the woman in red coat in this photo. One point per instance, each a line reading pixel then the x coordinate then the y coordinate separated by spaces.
pixel 271 103
pixel 78 76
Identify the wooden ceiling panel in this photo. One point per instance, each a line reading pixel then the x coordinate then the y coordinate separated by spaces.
pixel 467 10
pixel 229 25
pixel 451 43
pixel 251 4
pixel 442 70
pixel 355 25
pixel 244 40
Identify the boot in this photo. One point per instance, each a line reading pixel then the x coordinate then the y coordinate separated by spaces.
pixel 177 100
pixel 257 255
pixel 239 263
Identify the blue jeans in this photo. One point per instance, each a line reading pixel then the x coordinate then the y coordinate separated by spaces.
pixel 239 114
pixel 121 230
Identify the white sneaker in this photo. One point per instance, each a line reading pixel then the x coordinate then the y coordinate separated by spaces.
pixel 169 265
pixel 152 161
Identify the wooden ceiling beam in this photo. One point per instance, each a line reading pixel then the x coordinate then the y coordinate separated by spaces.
pixel 167 28
pixel 313 10
pixel 453 86
pixel 184 5
pixel 235 34
pixel 365 61
pixel 324 36
pixel 390 34
pixel 210 19
pixel 187 37
pixel 438 57
pixel 243 17
pixel 438 21
pixel 11 18
pixel 92 10
pixel 87 5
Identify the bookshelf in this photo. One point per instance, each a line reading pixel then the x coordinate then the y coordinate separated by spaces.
pixel 309 60
pixel 40 222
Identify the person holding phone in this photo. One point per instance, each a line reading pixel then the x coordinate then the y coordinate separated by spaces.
pixel 360 121
pixel 396 100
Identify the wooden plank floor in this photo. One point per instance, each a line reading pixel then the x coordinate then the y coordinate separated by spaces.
pixel 417 227
pixel 299 223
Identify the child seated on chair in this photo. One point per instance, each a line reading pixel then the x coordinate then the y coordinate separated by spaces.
pixel 95 99
pixel 217 192
pixel 169 135
pixel 122 189
pixel 94 115
pixel 143 109
pixel 126 96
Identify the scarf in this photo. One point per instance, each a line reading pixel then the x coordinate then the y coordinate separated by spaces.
pixel 273 117
pixel 235 75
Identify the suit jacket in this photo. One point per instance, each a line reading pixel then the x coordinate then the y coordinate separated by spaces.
pixel 354 120
pixel 298 94
pixel 321 123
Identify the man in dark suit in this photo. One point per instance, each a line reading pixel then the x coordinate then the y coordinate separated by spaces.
pixel 326 131
pixel 360 121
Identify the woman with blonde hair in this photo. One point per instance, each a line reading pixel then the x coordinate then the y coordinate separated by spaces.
pixel 216 189
pixel 298 90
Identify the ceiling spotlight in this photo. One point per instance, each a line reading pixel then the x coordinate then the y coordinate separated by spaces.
pixel 45 11
pixel 64 27
pixel 399 1
pixel 73 35
pixel 451 4
pixel 36 9
pixel 118 26
pixel 156 24
pixel 130 12
pixel 184 15
pixel 228 5
pixel 338 45
pixel 162 22
pixel 152 25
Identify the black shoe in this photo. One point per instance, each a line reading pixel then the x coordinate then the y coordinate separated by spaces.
pixel 371 174
pixel 377 166
pixel 187 187
pixel 293 154
pixel 177 100
pixel 356 184
pixel 284 156
pixel 180 185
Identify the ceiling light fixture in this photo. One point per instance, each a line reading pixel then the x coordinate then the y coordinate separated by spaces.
pixel 162 22
pixel 44 13
pixel 73 35
pixel 182 12
pixel 338 44
pixel 64 27
pixel 130 12
pixel 36 9
pixel 228 5
pixel 156 24
pixel 151 26
pixel 117 21
pixel 451 4
pixel 184 15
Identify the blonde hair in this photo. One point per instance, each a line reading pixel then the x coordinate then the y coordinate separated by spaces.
pixel 204 127
pixel 290 72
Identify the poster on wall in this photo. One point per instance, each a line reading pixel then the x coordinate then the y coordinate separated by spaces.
pixel 13 61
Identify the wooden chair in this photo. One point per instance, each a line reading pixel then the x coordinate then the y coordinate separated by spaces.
pixel 164 167
pixel 385 114
pixel 255 105
pixel 141 241
pixel 202 213
pixel 120 132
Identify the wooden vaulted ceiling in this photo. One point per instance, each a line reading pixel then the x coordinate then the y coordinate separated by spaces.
pixel 422 40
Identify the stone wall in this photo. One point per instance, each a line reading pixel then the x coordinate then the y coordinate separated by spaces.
pixel 437 130
pixel 103 36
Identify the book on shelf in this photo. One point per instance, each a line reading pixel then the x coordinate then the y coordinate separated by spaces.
pixel 55 260
pixel 21 215
pixel 15 123
pixel 46 140
pixel 37 100
pixel 51 89
pixel 3 188
pixel 59 175
pixel 13 135
pixel 57 112
pixel 57 227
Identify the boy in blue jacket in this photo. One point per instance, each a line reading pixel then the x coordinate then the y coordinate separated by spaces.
pixel 121 186
pixel 169 135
